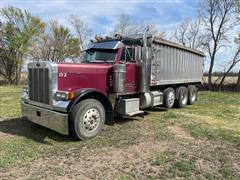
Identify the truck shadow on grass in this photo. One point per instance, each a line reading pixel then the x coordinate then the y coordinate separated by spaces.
pixel 25 128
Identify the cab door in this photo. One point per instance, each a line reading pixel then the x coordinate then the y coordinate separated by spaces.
pixel 131 69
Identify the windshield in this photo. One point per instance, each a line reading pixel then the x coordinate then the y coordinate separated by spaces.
pixel 100 55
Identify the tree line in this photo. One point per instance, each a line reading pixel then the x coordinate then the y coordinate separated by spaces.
pixel 24 36
pixel 213 31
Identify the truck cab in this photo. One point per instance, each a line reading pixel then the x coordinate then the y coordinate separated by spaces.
pixel 55 90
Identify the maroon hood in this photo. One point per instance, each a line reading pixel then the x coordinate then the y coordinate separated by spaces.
pixel 72 77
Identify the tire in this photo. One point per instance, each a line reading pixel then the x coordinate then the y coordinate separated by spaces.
pixel 87 119
pixel 182 98
pixel 192 94
pixel 168 97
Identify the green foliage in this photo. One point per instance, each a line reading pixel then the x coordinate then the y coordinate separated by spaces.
pixel 19 30
pixel 56 43
pixel 20 27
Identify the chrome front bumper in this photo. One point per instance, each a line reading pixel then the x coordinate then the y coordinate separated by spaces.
pixel 47 118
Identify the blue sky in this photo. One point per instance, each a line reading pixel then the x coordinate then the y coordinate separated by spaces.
pixel 101 15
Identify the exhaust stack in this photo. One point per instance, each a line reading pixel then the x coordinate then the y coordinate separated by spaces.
pixel 145 68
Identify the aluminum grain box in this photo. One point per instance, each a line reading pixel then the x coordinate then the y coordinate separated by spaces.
pixel 175 64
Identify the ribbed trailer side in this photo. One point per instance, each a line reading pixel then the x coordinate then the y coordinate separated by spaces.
pixel 175 64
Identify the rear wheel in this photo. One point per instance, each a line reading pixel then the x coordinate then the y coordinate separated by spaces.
pixel 168 97
pixel 192 94
pixel 182 98
pixel 87 119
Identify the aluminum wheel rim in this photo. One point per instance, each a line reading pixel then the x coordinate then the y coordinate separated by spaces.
pixel 171 98
pixel 91 119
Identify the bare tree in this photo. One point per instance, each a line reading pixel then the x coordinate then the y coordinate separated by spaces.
pixel 236 58
pixel 188 34
pixel 238 82
pixel 162 34
pixel 233 63
pixel 56 43
pixel 124 25
pixel 81 29
pixel 217 22
pixel 153 29
pixel 238 41
pixel 1 33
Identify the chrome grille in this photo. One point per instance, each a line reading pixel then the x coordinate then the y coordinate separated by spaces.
pixel 39 85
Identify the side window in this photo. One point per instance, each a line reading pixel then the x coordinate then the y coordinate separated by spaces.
pixel 128 54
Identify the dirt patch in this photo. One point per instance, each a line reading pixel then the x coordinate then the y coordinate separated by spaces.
pixel 107 163
pixel 5 135
pixel 170 159
pixel 207 166
pixel 179 132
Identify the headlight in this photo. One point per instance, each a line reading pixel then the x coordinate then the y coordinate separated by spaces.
pixel 64 95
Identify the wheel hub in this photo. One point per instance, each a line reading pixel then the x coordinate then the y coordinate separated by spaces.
pixel 91 119
pixel 171 98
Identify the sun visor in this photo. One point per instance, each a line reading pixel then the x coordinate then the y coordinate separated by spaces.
pixel 105 45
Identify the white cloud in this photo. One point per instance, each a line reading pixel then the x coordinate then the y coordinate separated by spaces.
pixel 89 11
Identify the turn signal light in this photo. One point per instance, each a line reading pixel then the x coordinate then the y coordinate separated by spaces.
pixel 71 95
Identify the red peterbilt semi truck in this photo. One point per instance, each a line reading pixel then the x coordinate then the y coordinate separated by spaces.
pixel 118 76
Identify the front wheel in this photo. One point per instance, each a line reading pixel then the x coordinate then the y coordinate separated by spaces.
pixel 87 120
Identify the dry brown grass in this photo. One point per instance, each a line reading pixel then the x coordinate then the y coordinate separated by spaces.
pixel 228 80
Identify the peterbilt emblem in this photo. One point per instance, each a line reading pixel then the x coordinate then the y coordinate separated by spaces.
pixel 62 74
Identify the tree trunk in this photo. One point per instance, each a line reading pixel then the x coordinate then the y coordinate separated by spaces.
pixel 238 82
pixel 221 83
pixel 18 74
pixel 18 67
pixel 210 75
pixel 223 78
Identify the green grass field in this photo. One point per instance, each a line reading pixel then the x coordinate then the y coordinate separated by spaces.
pixel 199 141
